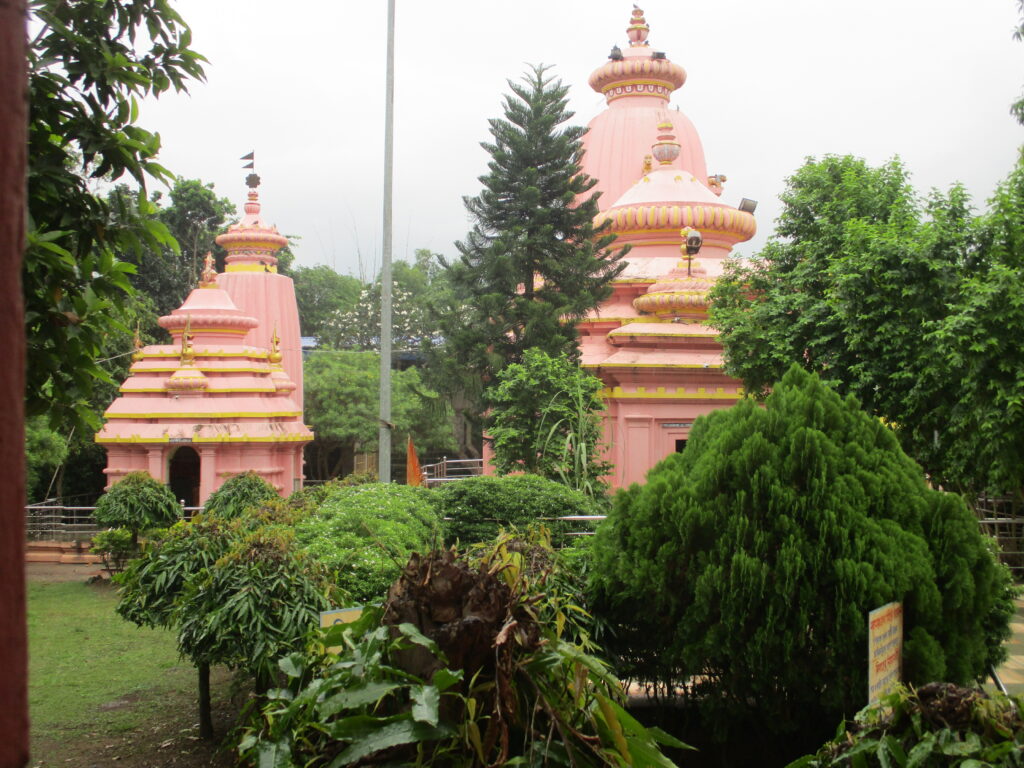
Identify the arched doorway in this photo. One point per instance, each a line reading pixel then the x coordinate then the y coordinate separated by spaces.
pixel 183 475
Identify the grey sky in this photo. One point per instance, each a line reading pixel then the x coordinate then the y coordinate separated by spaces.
pixel 769 83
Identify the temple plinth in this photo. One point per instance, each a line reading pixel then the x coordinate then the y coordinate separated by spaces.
pixel 649 342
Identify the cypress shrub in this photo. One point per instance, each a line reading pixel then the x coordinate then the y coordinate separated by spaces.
pixel 745 567
pixel 136 503
pixel 477 508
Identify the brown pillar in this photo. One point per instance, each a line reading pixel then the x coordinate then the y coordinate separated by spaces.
pixel 13 143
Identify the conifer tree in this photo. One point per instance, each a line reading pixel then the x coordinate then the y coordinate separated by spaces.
pixel 533 262
pixel 744 570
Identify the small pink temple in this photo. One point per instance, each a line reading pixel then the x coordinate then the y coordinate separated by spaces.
pixel 649 344
pixel 225 396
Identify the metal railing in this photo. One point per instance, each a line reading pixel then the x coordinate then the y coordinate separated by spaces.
pixel 55 522
pixel 1003 520
pixel 447 470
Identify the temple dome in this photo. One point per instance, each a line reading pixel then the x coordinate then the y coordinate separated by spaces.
pixel 252 245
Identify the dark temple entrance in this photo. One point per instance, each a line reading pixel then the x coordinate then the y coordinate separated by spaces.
pixel 183 475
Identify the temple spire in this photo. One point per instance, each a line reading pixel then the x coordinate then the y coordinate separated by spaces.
pixel 638 29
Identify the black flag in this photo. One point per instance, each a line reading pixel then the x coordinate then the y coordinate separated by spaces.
pixel 251 157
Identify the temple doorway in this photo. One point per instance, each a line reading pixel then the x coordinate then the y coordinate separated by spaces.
pixel 183 476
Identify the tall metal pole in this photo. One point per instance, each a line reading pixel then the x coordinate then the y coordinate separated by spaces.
pixel 384 435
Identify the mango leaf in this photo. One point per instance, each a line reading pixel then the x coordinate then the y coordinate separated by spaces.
pixel 353 698
pixel 392 734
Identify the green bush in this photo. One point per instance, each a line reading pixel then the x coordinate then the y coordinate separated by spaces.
pixel 137 502
pixel 938 724
pixel 238 494
pixel 476 508
pixel 748 563
pixel 115 546
pixel 367 532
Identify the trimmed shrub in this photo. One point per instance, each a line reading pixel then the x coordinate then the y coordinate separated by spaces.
pixel 745 568
pixel 367 532
pixel 238 494
pixel 478 507
pixel 137 502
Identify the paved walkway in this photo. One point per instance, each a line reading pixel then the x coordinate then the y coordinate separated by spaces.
pixel 1012 672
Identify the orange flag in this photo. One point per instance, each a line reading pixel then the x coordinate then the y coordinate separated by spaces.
pixel 413 474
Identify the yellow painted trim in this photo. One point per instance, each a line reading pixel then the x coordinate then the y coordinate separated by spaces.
pixel 208 370
pixel 254 354
pixel 210 330
pixel 149 390
pixel 666 336
pixel 617 393
pixel 709 366
pixel 623 320
pixel 230 439
pixel 236 415
pixel 250 268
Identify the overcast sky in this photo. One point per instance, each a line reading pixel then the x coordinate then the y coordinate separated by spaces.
pixel 769 83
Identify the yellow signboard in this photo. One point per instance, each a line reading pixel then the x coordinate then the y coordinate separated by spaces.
pixel 885 649
pixel 339 616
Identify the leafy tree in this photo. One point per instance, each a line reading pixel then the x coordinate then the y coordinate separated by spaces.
pixel 546 420
pixel 533 263
pixel 341 389
pixel 194 216
pixel 980 341
pixel 366 532
pixel 88 65
pixel 137 502
pixel 321 293
pixel 45 450
pixel 1017 110
pixel 744 570
pixel 859 274
pixel 233 588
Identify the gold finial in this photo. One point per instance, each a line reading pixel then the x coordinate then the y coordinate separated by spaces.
pixel 275 355
pixel 137 354
pixel 648 164
pixel 209 278
pixel 188 352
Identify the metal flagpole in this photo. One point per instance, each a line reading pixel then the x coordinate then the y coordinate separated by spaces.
pixel 384 435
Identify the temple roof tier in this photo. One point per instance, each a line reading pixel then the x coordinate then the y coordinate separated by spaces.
pixel 251 244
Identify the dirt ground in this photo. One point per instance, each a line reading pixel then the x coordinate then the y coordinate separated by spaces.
pixel 170 740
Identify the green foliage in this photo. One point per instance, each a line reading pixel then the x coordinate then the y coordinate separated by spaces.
pixel 534 263
pixel 321 293
pixel 419 693
pixel 193 216
pixel 341 392
pixel 45 450
pixel 366 532
pixel 88 64
pixel 257 602
pixel 137 502
pixel 546 420
pixel 115 546
pixel 744 569
pixel 233 587
pixel 936 725
pixel 238 495
pixel 907 305
pixel 477 508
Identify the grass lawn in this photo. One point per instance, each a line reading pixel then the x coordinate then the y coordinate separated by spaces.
pixel 101 689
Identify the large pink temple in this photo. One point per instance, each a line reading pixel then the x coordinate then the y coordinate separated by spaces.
pixel 225 396
pixel 661 364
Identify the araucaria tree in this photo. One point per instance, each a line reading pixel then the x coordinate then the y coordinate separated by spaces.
pixel 744 570
pixel 533 262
